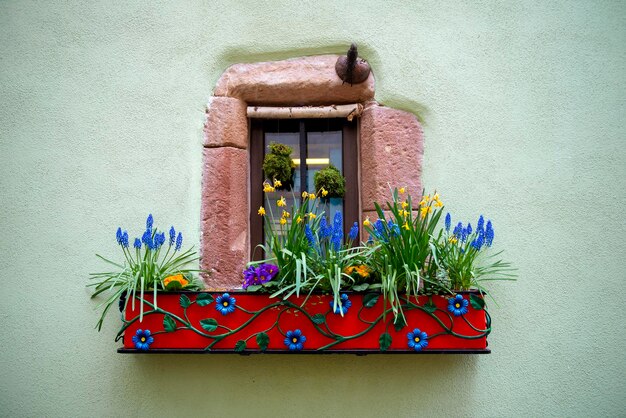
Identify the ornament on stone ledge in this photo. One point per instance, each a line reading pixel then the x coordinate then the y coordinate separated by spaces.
pixel 352 69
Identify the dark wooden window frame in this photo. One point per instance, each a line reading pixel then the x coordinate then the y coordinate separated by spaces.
pixel 350 156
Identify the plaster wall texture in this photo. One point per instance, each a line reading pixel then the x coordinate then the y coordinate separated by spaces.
pixel 522 104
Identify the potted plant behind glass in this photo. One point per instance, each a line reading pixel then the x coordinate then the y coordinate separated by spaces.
pixel 330 183
pixel 279 167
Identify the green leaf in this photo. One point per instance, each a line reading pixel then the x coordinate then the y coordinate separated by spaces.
pixel 240 346
pixel 253 288
pixel 399 323
pixel 184 301
pixel 477 302
pixel 209 324
pixel 385 341
pixel 370 299
pixel 169 324
pixel 430 307
pixel 262 339
pixel 319 318
pixel 361 287
pixel 173 285
pixel 204 299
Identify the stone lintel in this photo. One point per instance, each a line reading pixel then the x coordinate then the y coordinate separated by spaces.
pixel 226 123
pixel 293 82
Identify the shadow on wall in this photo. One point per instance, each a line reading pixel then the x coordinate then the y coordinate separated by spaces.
pixel 247 54
pixel 242 381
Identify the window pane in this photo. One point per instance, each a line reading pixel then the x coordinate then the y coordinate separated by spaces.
pixel 324 148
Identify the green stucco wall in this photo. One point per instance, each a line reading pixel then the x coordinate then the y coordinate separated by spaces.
pixel 523 104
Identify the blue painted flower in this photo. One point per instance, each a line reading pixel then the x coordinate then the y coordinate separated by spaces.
pixel 172 236
pixel 225 304
pixel 418 340
pixel 179 241
pixel 457 305
pixel 137 243
pixel 345 305
pixel 294 340
pixel 448 222
pixel 354 231
pixel 142 340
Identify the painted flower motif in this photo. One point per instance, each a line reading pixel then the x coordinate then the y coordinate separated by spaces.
pixel 294 340
pixel 142 340
pixel 418 340
pixel 457 305
pixel 345 305
pixel 225 304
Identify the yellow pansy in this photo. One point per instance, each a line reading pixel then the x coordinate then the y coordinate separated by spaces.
pixel 281 202
pixel 175 278
pixel 277 183
pixel 261 211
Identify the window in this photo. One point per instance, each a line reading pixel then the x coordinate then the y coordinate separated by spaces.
pixel 316 143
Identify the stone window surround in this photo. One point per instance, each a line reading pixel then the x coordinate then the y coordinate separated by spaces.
pixel 390 150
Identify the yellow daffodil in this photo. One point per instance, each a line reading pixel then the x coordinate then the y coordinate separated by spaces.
pixel 283 221
pixel 299 219
pixel 281 202
pixel 261 211
pixel 286 214
pixel 312 215
pixel 311 195
pixel 277 183
pixel 402 190
pixel 305 195
pixel 267 188
pixel 453 240
pixel 406 225
pixel 425 211
pixel 405 205
pixel 324 192
pixel 425 200
pixel 367 222
pixel 438 203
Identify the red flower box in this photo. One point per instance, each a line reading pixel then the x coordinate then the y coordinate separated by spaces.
pixel 191 322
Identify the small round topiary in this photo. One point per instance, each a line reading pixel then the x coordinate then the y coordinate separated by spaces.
pixel 331 180
pixel 278 164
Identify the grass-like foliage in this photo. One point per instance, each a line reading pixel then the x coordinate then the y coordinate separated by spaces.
pixel 151 265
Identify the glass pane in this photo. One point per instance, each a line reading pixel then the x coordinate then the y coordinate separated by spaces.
pixel 270 200
pixel 323 149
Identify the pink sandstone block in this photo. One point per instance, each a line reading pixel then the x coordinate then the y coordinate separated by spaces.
pixel 391 154
pixel 226 123
pixel 224 216
pixel 294 82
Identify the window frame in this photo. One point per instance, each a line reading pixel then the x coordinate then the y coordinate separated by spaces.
pixel 350 166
